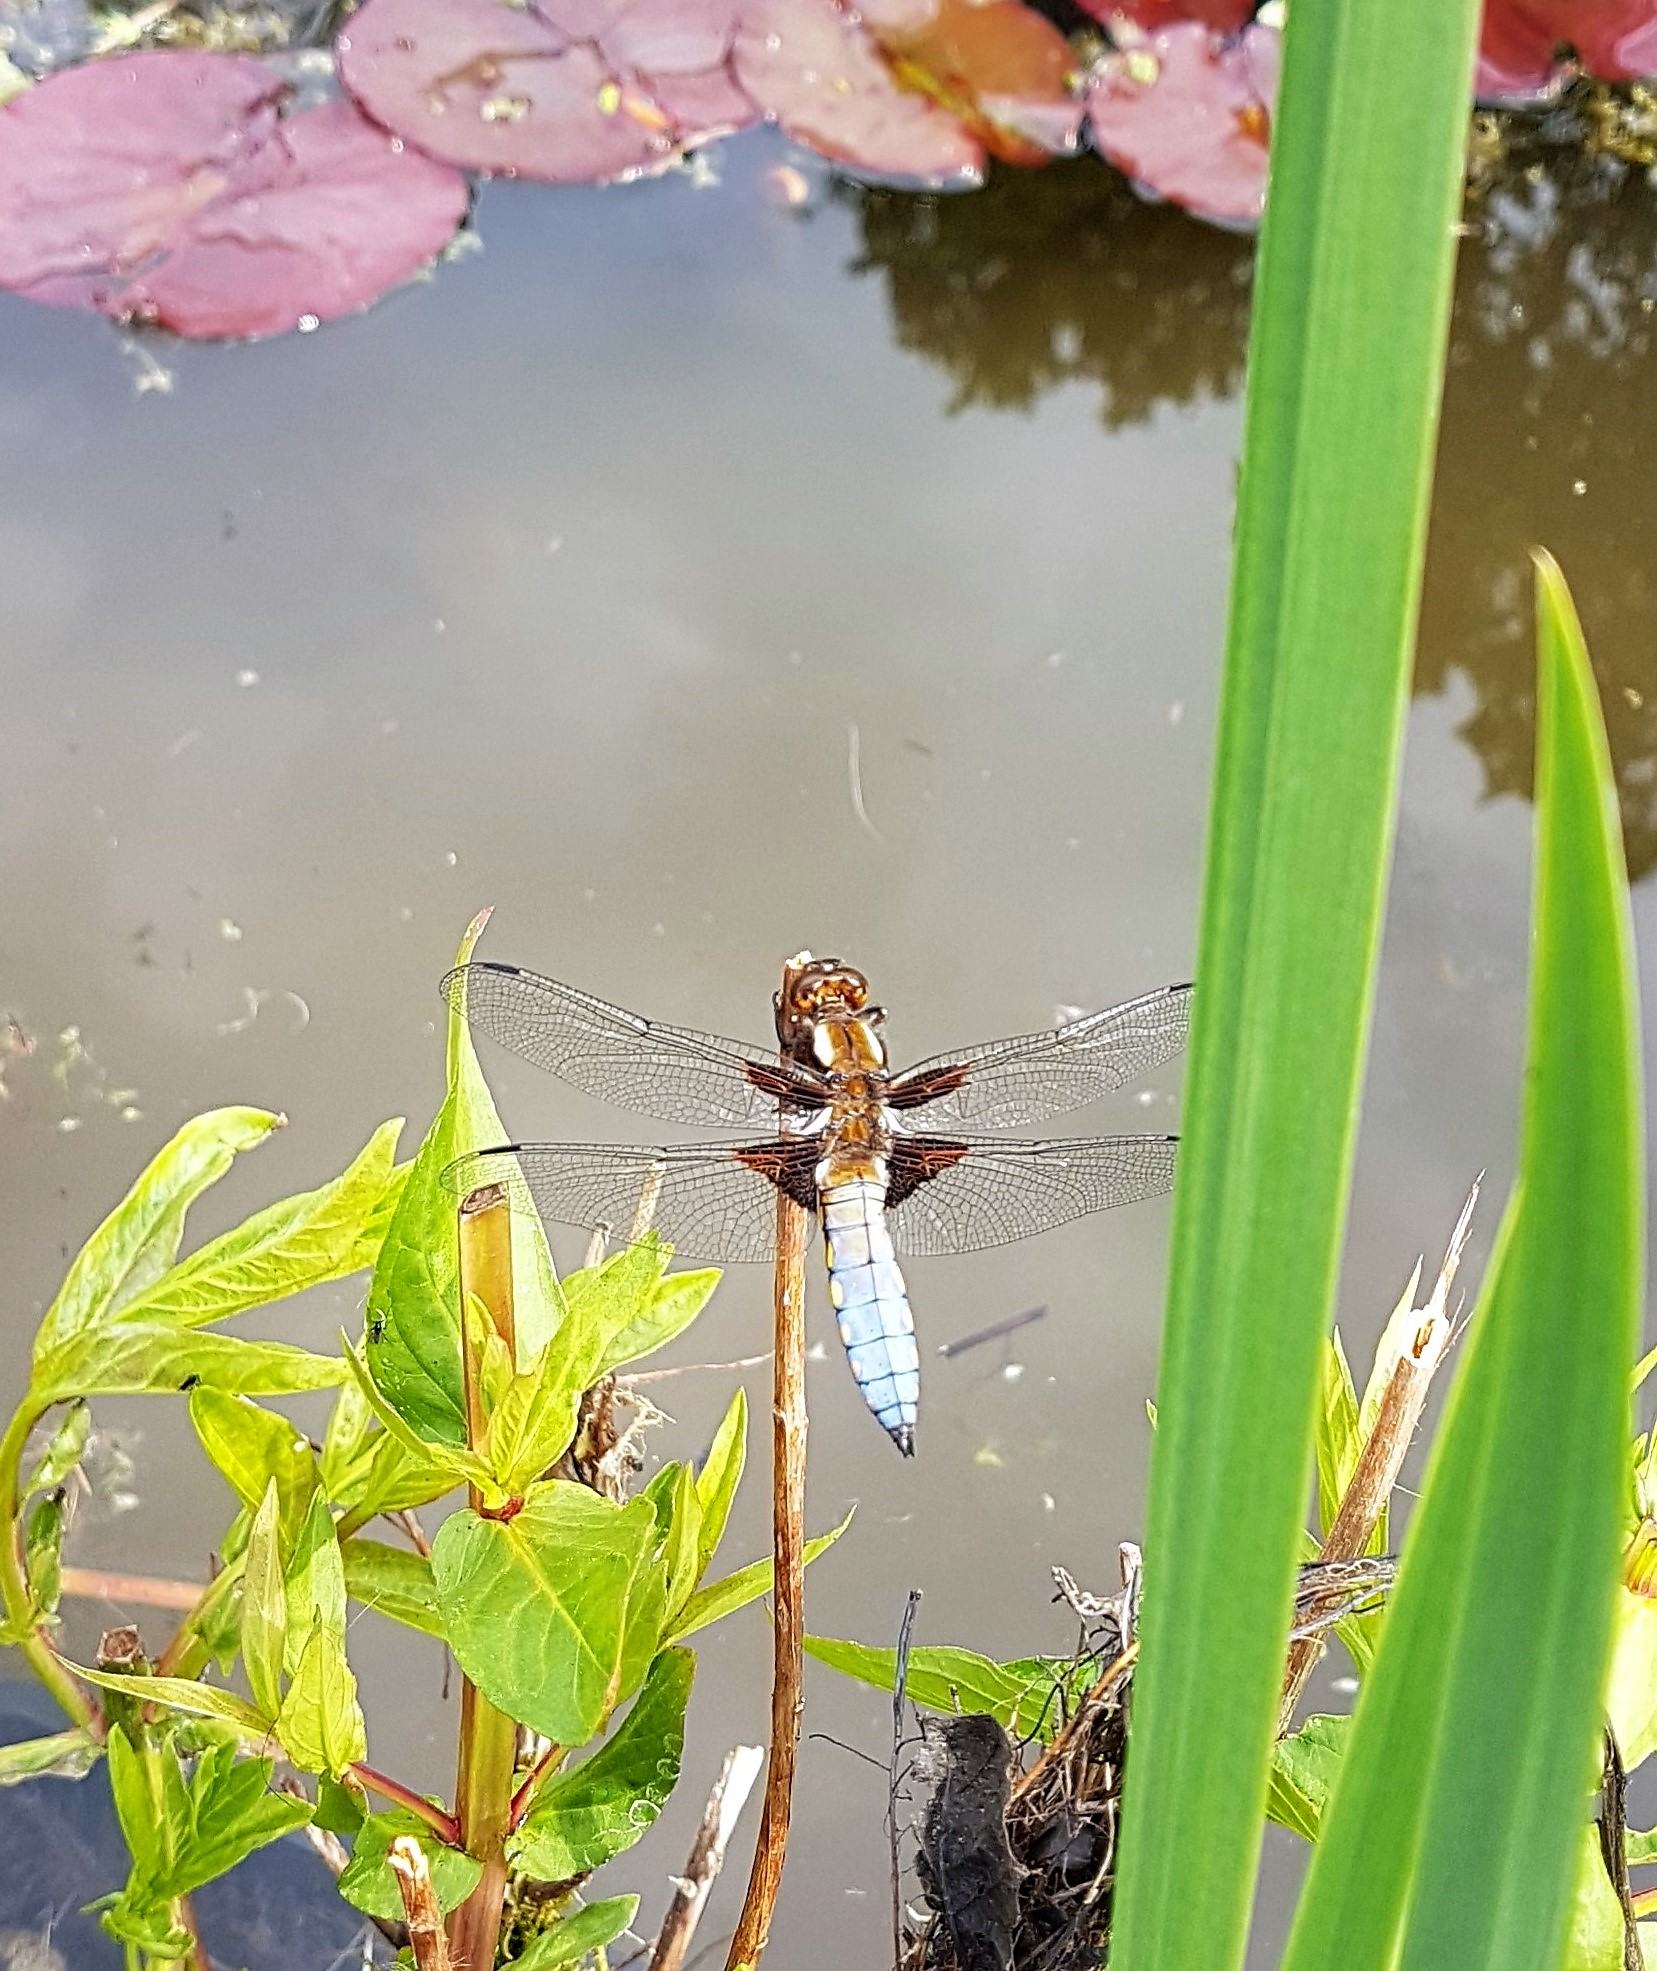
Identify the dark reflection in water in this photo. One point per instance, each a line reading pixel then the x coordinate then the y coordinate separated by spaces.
pixel 1064 277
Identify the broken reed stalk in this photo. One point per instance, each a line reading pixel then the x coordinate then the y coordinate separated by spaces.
pixel 1420 1351
pixel 707 1857
pixel 788 1438
pixel 421 1910
pixel 488 1737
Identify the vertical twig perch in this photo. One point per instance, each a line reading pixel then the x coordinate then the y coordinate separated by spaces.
pixel 421 1909
pixel 707 1857
pixel 788 1440
pixel 488 1737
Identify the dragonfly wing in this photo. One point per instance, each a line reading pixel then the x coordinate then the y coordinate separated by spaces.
pixel 713 1201
pixel 675 1073
pixel 1033 1076
pixel 962 1193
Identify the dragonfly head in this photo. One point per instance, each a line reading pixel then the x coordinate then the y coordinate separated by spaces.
pixel 818 989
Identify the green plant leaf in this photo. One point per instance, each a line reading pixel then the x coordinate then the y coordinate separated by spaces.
pixel 535 1420
pixel 1346 359
pixel 952 1681
pixel 719 1477
pixel 139 1239
pixel 679 1514
pixel 675 1303
pixel 264 1605
pixel 234 1808
pixel 254 1448
pixel 1338 1440
pixel 580 1819
pixel 396 1581
pixel 1305 1767
pixel 299 1242
pixel 463 1467
pixel 43 1553
pixel 143 1827
pixel 60 1755
pixel 369 1885
pixel 136 1358
pixel 64 1451
pixel 414 1297
pixel 721 1598
pixel 320 1723
pixel 181 1694
pixel 536 1607
pixel 577 1936
pixel 1477 1728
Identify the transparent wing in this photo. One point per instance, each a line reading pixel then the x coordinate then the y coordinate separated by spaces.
pixel 962 1193
pixel 671 1072
pixel 1034 1076
pixel 713 1201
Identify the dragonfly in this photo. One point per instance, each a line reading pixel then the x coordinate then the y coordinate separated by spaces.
pixel 892 1164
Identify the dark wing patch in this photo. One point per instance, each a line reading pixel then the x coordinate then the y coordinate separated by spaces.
pixel 990 1191
pixel 1034 1076
pixel 675 1073
pixel 713 1201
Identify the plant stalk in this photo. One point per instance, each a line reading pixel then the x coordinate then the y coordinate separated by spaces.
pixel 37 1651
pixel 788 1444
pixel 707 1858
pixel 488 1737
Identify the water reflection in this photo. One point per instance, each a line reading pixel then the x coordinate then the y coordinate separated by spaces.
pixel 1064 277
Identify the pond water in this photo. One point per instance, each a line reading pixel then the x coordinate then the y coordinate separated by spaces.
pixel 695 575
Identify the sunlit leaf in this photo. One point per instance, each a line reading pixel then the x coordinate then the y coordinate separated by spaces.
pixel 554 89
pixel 1305 1767
pixel 394 1581
pixel 675 1303
pixel 63 1452
pixel 320 1723
pixel 368 1883
pixel 300 1242
pixel 43 1552
pixel 132 1358
pixel 253 1447
pixel 181 1694
pixel 721 1473
pixel 264 1605
pixel 580 1819
pixel 574 1937
pixel 139 1239
pixel 747 1584
pixel 956 1681
pixel 535 1607
pixel 413 1332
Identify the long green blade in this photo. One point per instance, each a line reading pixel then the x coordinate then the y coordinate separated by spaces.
pixel 1346 359
pixel 1455 1832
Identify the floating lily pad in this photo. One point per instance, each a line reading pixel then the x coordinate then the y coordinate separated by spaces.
pixel 1004 70
pixel 573 91
pixel 1520 40
pixel 815 71
pixel 170 188
pixel 1187 115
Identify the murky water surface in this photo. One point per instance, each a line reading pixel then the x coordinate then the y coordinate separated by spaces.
pixel 695 577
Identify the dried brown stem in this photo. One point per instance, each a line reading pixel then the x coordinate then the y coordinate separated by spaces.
pixel 707 1857
pixel 1384 1450
pixel 420 1905
pixel 788 1446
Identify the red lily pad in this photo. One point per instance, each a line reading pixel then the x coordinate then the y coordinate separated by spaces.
pixel 1187 114
pixel 170 188
pixel 1001 68
pixel 815 71
pixel 1520 41
pixel 571 91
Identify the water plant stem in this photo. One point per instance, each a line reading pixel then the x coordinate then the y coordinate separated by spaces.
pixel 488 1737
pixel 788 1443
pixel 444 1826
